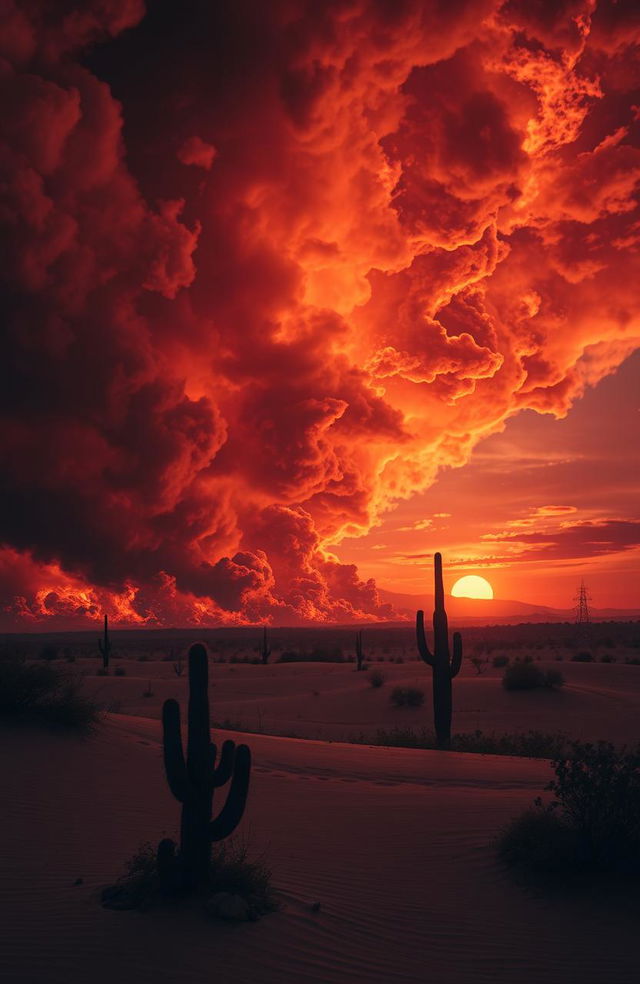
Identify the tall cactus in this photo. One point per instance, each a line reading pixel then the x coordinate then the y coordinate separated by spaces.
pixel 104 645
pixel 359 653
pixel 193 781
pixel 444 667
pixel 266 652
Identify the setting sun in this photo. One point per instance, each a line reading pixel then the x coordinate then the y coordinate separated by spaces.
pixel 472 586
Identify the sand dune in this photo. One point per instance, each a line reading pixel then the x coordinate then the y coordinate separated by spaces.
pixel 396 845
pixel 333 701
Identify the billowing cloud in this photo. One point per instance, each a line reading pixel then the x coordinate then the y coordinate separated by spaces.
pixel 267 269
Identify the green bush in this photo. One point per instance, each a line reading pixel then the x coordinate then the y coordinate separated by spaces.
pixel 407 697
pixel 500 661
pixel 42 692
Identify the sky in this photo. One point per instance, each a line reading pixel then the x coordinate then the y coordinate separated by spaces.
pixel 295 294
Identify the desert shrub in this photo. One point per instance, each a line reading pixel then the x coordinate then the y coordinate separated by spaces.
pixel 44 693
pixel 553 679
pixel 315 656
pixel 541 842
pixel 49 653
pixel 102 671
pixel 608 658
pixel 500 661
pixel 527 676
pixel 231 870
pixel 530 744
pixel 119 671
pixel 407 697
pixel 142 658
pixel 480 664
pixel 582 657
pixel 376 679
pixel 632 661
pixel 592 824
pixel 522 676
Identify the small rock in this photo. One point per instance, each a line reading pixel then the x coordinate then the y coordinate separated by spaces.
pixel 315 907
pixel 224 905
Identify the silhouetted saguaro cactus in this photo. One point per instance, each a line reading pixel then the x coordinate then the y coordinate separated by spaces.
pixel 444 667
pixel 266 652
pixel 104 645
pixel 193 781
pixel 359 653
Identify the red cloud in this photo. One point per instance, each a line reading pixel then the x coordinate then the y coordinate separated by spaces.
pixel 420 220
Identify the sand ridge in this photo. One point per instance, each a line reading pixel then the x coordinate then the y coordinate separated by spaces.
pixel 396 845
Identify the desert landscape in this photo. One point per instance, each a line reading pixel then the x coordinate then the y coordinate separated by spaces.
pixel 319 472
pixel 384 859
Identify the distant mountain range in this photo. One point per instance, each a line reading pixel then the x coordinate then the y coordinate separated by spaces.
pixel 497 610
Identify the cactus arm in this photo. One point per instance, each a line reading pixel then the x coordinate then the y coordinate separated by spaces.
pixel 224 769
pixel 231 814
pixel 456 661
pixel 423 648
pixel 174 764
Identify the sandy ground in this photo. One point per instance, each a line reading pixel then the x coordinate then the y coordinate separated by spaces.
pixel 396 845
pixel 332 701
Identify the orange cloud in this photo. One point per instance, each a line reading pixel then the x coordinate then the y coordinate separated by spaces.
pixel 401 225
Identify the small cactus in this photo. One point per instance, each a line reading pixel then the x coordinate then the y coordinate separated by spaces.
pixel 192 782
pixel 104 646
pixel 443 666
pixel 266 652
pixel 359 653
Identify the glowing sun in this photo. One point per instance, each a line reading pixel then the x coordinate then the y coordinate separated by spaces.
pixel 472 586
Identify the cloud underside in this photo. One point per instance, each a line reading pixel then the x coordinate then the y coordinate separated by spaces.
pixel 267 270
pixel 571 542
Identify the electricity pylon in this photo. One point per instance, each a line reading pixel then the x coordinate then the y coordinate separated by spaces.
pixel 582 608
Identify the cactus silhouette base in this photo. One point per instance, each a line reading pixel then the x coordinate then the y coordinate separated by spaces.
pixel 192 781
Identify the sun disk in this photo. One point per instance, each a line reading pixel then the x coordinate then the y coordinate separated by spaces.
pixel 472 586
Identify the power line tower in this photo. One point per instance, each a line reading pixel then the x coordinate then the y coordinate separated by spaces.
pixel 583 616
pixel 582 608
